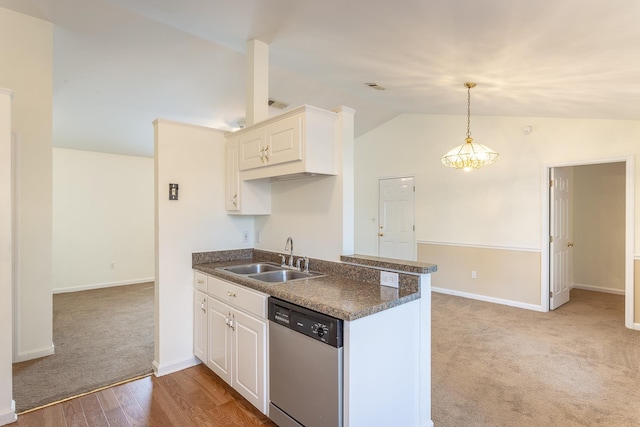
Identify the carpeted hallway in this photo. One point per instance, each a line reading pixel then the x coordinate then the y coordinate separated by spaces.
pixel 101 337
pixel 494 365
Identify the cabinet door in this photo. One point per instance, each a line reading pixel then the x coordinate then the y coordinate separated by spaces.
pixel 200 326
pixel 232 176
pixel 249 349
pixel 251 150
pixel 284 140
pixel 219 360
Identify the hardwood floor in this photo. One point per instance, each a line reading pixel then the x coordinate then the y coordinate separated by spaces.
pixel 192 397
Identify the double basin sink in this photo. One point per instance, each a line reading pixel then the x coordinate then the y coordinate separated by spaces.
pixel 269 272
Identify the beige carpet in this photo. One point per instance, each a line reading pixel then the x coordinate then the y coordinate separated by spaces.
pixel 501 366
pixel 101 337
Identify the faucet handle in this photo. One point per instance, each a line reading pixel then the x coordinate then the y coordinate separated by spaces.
pixel 298 263
pixel 306 264
pixel 283 259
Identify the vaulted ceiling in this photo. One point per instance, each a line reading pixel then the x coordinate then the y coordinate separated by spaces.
pixel 120 64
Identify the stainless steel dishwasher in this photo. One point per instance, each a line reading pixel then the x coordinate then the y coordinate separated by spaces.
pixel 305 366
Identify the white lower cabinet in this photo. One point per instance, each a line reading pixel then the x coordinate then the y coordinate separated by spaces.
pixel 236 332
pixel 219 360
pixel 200 338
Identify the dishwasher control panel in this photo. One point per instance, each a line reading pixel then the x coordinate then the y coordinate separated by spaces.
pixel 316 325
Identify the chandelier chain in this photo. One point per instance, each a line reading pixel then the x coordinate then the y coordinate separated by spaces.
pixel 468 112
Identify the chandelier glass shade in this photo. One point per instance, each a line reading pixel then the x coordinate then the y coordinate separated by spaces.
pixel 469 155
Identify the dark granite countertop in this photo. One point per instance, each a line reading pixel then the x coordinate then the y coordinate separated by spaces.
pixel 390 264
pixel 346 291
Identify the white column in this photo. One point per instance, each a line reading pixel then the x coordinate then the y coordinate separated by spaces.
pixel 257 91
pixel 7 406
pixel 345 143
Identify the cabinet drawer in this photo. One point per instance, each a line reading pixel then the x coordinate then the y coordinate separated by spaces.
pixel 245 299
pixel 200 281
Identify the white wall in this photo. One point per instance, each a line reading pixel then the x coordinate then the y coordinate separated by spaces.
pixel 102 213
pixel 193 157
pixel 317 212
pixel 308 210
pixel 499 206
pixel 7 408
pixel 599 227
pixel 26 49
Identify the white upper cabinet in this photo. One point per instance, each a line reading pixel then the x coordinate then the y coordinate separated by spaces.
pixel 244 197
pixel 279 142
pixel 301 141
pixel 252 146
pixel 232 176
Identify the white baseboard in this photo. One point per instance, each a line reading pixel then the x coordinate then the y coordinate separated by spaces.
pixel 102 285
pixel 636 326
pixel 23 357
pixel 10 416
pixel 598 289
pixel 159 371
pixel 489 299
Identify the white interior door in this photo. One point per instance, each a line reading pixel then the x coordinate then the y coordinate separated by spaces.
pixel 560 244
pixel 396 233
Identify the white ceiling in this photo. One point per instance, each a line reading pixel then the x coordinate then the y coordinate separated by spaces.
pixel 120 64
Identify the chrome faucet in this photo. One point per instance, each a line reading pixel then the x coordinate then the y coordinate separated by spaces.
pixel 289 247
pixel 306 264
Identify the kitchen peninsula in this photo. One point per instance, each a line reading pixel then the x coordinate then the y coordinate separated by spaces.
pixel 387 359
pixel 386 332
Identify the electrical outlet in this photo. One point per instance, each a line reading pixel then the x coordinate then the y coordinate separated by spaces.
pixel 474 275
pixel 245 237
pixel 258 237
pixel 388 278
pixel 112 265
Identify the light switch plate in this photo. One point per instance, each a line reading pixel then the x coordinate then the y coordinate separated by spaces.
pixel 173 191
pixel 387 278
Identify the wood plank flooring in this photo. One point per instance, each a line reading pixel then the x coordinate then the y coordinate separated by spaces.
pixel 192 397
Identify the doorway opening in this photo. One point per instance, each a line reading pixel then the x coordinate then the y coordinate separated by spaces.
pixel 589 213
pixel 396 226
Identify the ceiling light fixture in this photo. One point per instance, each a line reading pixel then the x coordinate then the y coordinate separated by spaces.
pixel 469 155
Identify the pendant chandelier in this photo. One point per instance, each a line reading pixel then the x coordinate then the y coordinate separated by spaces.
pixel 469 155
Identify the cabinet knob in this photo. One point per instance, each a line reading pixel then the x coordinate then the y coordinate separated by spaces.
pixel 380 234
pixel 231 294
pixel 570 244
pixel 234 200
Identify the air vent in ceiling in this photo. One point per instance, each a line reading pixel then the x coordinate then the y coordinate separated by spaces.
pixel 375 86
pixel 277 104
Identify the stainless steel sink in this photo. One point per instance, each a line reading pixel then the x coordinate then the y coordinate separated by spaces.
pixel 284 276
pixel 269 272
pixel 259 267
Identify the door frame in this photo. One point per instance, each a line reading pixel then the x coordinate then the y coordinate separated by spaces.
pixel 16 151
pixel 629 231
